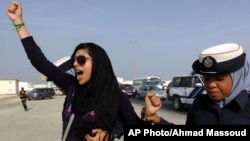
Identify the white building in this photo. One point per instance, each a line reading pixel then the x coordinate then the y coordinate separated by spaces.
pixel 9 86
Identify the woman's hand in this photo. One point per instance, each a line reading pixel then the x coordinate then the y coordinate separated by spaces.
pixel 152 105
pixel 98 135
pixel 14 12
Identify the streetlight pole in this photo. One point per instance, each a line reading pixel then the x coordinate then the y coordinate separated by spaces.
pixel 134 57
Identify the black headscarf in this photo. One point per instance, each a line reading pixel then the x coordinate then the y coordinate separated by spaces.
pixel 96 103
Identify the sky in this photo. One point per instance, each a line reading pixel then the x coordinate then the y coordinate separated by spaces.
pixel 141 37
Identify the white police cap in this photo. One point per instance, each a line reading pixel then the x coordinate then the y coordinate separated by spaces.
pixel 219 59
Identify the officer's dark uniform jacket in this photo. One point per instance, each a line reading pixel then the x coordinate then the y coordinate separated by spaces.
pixel 206 112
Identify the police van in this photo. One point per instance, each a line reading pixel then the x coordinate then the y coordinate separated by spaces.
pixel 182 91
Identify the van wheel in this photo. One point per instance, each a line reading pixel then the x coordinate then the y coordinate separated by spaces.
pixel 177 103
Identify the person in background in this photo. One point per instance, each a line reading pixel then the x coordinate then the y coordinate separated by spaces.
pixel 94 106
pixel 23 96
pixel 227 82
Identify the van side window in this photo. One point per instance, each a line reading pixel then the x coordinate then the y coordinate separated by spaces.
pixel 176 82
pixel 185 82
pixel 197 80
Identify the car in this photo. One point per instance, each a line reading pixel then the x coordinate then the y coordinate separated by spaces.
pixel 167 89
pixel 147 80
pixel 161 93
pixel 165 83
pixel 58 91
pixel 128 89
pixel 41 93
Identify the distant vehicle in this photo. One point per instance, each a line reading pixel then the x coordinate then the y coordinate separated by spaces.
pixel 167 89
pixel 165 83
pixel 161 93
pixel 128 89
pixel 147 80
pixel 184 89
pixel 57 91
pixel 41 93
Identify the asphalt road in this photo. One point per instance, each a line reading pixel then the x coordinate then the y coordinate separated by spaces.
pixel 43 120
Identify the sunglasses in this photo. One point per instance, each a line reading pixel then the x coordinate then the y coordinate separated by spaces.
pixel 81 60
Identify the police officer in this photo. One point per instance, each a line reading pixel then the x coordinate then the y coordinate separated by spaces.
pixel 227 83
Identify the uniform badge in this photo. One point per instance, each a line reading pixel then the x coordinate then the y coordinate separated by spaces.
pixel 208 62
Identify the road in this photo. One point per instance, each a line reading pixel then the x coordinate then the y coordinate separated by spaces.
pixel 43 120
pixel 41 123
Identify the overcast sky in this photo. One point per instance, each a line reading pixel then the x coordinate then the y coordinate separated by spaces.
pixel 141 37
